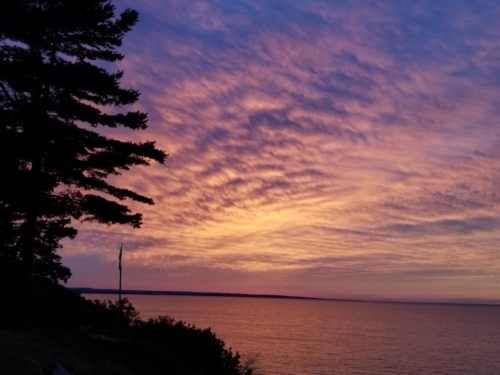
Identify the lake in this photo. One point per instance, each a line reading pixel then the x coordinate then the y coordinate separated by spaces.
pixel 298 337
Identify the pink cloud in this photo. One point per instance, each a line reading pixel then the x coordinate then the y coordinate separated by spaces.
pixel 310 145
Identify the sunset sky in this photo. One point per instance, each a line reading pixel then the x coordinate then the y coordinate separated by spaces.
pixel 339 149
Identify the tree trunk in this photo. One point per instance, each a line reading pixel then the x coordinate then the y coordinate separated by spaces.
pixel 28 250
pixel 35 120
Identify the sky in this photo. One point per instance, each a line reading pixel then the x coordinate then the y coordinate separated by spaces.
pixel 335 149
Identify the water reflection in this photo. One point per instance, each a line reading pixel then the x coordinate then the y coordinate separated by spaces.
pixel 333 337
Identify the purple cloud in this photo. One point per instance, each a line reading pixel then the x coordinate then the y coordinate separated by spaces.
pixel 311 144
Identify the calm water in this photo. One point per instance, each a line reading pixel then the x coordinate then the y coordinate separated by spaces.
pixel 329 337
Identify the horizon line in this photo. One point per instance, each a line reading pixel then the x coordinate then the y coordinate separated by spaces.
pixel 89 290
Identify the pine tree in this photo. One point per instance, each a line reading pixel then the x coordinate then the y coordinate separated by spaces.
pixel 48 268
pixel 54 93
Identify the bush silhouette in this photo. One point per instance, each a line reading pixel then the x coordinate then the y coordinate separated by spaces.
pixel 156 346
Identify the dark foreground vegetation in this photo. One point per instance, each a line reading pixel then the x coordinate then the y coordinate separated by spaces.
pixel 83 337
pixel 55 161
pixel 55 164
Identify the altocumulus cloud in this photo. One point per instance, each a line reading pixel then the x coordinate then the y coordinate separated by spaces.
pixel 338 149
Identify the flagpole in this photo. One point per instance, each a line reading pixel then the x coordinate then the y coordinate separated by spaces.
pixel 120 307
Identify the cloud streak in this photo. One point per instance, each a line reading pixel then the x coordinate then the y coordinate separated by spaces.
pixel 332 149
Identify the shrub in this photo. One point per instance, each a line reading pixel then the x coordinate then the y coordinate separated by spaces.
pixel 157 346
pixel 194 349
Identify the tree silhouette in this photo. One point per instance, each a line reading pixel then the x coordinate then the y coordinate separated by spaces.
pixel 52 226
pixel 54 92
pixel 48 269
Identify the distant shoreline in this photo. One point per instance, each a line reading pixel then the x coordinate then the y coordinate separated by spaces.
pixel 277 296
pixel 182 293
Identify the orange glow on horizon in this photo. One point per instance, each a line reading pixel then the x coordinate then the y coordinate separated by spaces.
pixel 328 158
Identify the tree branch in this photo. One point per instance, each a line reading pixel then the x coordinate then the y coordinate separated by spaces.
pixel 7 94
